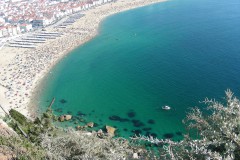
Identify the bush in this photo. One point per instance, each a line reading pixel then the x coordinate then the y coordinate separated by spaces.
pixel 218 132
pixel 84 145
pixel 20 118
pixel 17 148
pixel 33 129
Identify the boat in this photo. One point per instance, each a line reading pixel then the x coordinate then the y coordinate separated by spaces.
pixel 166 108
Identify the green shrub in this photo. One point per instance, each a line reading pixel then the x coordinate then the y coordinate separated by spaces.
pixel 218 131
pixel 20 118
pixel 21 149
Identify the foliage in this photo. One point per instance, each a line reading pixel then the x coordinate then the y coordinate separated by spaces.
pixel 18 117
pixel 28 148
pixel 85 145
pixel 18 148
pixel 58 143
pixel 33 129
pixel 218 131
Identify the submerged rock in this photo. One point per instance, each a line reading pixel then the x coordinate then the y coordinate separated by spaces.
pixel 96 124
pixel 81 114
pixel 151 121
pixel 117 118
pixel 147 129
pixel 137 131
pixel 75 122
pixel 131 114
pixel 179 133
pixel 69 112
pixel 63 101
pixel 114 118
pixel 137 123
pixel 59 110
pixel 168 135
pixel 154 135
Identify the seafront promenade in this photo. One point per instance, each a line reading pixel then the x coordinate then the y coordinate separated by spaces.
pixel 21 69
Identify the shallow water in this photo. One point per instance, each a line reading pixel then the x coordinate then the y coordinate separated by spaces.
pixel 174 53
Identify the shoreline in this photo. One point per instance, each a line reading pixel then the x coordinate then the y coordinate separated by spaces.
pixel 23 70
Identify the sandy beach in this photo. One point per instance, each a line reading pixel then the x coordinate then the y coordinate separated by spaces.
pixel 21 70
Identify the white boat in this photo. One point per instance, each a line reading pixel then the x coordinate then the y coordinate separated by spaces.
pixel 166 108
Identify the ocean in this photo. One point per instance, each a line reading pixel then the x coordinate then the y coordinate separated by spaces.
pixel 174 53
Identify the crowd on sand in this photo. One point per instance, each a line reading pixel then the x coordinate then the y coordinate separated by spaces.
pixel 19 78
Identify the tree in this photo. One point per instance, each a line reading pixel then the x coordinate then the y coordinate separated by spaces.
pixel 218 133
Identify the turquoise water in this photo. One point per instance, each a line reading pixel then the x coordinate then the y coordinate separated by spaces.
pixel 174 53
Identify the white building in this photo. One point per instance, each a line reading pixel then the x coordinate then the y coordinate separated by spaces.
pixel 38 22
pixel 1 32
pixel 2 20
pixel 13 1
pixel 25 27
pixel 4 31
pixel 42 22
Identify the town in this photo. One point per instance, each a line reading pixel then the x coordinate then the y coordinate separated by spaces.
pixel 21 16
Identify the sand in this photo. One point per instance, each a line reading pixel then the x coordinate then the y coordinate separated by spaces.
pixel 21 70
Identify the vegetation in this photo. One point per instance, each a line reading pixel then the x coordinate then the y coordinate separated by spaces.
pixel 21 149
pixel 34 129
pixel 57 143
pixel 84 145
pixel 18 117
pixel 217 132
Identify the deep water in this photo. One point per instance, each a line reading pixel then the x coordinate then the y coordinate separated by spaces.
pixel 174 53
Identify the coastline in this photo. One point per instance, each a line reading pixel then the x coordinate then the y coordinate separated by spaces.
pixel 23 69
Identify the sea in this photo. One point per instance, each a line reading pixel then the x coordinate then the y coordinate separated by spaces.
pixel 174 53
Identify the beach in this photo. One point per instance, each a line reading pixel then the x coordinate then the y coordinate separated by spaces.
pixel 21 70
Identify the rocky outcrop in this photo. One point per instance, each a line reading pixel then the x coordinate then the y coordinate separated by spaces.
pixel 5 130
pixel 65 118
pixel 90 124
pixel 68 117
pixel 135 156
pixel 100 133
pixel 6 153
pixel 61 118
pixel 110 130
